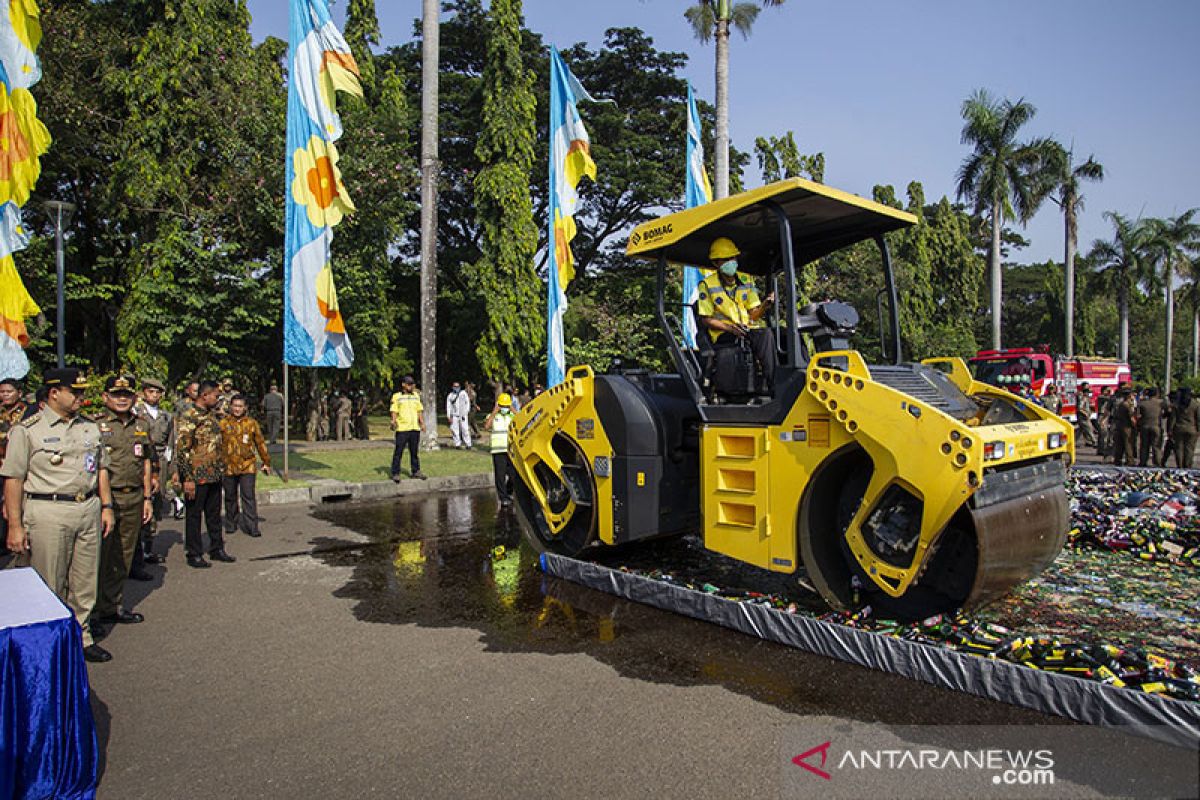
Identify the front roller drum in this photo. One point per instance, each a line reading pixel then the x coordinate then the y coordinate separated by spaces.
pixel 1017 539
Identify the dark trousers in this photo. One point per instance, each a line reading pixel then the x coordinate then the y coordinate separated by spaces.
pixel 411 440
pixel 208 502
pixel 1150 439
pixel 1185 448
pixel 1124 446
pixel 500 473
pixel 274 425
pixel 762 344
pixel 239 490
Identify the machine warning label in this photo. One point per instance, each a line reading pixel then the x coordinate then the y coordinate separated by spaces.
pixel 585 429
pixel 818 431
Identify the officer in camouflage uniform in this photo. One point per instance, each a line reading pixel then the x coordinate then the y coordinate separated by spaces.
pixel 200 463
pixel 126 440
pixel 161 424
pixel 56 467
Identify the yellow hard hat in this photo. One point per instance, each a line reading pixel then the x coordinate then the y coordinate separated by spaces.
pixel 505 399
pixel 723 248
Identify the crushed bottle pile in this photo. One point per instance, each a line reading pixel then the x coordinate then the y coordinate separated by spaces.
pixel 1151 514
pixel 1094 614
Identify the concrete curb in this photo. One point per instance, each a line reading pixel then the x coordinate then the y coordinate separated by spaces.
pixel 328 491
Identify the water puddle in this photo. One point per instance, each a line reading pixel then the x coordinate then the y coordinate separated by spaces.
pixel 457 560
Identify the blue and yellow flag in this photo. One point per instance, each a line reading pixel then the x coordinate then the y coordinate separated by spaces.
pixel 314 334
pixel 699 192
pixel 570 161
pixel 23 141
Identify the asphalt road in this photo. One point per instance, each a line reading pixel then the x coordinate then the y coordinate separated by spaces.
pixel 423 666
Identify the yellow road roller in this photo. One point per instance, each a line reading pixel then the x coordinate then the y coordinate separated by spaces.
pixel 907 486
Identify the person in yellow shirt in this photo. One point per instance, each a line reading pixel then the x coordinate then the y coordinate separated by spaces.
pixel 242 440
pixel 728 305
pixel 408 419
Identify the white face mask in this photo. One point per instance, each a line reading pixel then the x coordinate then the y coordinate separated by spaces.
pixel 729 268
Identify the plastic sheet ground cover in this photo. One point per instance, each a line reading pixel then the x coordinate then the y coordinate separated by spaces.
pixel 1119 606
pixel 1158 717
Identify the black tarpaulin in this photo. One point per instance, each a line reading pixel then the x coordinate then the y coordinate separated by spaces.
pixel 1173 721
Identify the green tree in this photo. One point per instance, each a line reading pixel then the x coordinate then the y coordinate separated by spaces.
pixel 710 20
pixel 1067 177
pixel 1120 262
pixel 504 276
pixel 1002 175
pixel 1169 241
pixel 779 157
pixel 361 32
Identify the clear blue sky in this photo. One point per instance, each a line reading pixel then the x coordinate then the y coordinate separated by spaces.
pixel 877 85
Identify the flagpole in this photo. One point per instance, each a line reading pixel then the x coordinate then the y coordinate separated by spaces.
pixel 285 422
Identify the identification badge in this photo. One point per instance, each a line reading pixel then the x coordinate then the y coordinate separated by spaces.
pixel 138 451
pixel 89 462
pixel 245 438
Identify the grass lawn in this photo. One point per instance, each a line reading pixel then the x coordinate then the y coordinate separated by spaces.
pixel 374 464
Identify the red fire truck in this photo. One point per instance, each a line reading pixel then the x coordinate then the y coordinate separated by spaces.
pixel 1018 368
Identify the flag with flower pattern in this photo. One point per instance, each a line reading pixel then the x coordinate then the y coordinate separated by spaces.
pixel 23 141
pixel 314 334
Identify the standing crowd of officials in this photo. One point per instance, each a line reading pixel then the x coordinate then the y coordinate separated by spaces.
pixel 83 494
pixel 1142 429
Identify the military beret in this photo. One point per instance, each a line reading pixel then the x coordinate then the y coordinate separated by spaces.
pixel 407 379
pixel 153 383
pixel 64 376
pixel 119 383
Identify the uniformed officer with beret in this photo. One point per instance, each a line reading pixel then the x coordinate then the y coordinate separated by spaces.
pixel 126 440
pixel 59 500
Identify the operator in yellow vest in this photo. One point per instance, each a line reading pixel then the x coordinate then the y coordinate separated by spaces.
pixel 729 306
pixel 498 422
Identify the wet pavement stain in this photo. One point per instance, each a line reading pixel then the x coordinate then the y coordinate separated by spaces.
pixel 436 561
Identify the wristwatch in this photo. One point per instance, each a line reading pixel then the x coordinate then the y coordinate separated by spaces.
pixel 106 505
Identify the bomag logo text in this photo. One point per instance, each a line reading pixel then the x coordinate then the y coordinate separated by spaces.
pixel 650 234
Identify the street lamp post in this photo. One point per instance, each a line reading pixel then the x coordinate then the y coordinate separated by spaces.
pixel 61 211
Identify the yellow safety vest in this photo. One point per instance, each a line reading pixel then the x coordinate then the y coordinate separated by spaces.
pixel 500 424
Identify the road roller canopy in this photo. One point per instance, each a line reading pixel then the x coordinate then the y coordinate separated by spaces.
pixel 822 220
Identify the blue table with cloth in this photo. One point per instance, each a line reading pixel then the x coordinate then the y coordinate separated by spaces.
pixel 47 736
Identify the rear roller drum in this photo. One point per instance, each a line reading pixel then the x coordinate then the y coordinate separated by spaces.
pixel 575 485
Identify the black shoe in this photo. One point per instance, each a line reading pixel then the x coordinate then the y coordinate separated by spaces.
pixel 395 479
pixel 420 475
pixel 153 558
pixel 198 562
pixel 123 617
pixel 100 630
pixel 254 534
pixel 140 575
pixel 221 555
pixel 96 654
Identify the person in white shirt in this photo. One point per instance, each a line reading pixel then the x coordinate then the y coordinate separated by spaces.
pixel 458 411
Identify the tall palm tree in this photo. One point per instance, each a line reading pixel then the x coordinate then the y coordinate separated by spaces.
pixel 430 34
pixel 1191 296
pixel 1169 241
pixel 1067 177
pixel 1001 175
pixel 711 19
pixel 1121 263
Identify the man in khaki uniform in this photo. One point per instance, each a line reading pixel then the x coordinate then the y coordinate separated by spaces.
pixel 1150 421
pixel 12 411
pixel 1083 414
pixel 126 440
pixel 161 424
pixel 56 520
pixel 341 411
